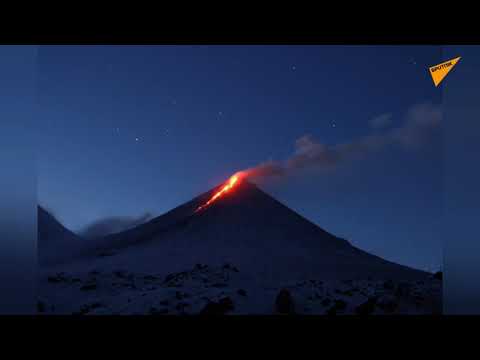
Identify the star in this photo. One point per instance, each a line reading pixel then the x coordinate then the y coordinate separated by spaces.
pixel 294 68
pixel 334 125
pixel 220 113
pixel 137 139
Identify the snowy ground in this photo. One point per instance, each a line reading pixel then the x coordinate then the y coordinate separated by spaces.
pixel 225 290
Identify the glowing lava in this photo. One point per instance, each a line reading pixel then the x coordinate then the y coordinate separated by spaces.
pixel 226 188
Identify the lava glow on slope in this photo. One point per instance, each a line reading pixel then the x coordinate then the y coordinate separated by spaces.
pixel 234 180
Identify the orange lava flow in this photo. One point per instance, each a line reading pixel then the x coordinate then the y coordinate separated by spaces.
pixel 228 186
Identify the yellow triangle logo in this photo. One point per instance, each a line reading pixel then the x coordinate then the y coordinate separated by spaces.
pixel 439 71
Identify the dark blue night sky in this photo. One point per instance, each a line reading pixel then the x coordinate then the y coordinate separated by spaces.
pixel 130 130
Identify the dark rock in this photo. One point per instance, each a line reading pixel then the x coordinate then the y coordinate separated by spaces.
pixel 150 278
pixel 164 302
pixel 346 292
pixel 332 311
pixel 366 308
pixel 96 305
pixel 85 309
pixel 218 308
pixel 438 275
pixel 241 292
pixel 403 289
pixel 326 302
pixel 389 285
pixel 387 303
pixel 418 299
pixel 57 278
pixel 219 285
pixel 340 305
pixel 200 267
pixel 227 303
pixel 41 306
pixel 169 277
pixel 155 311
pixel 284 303
pixel 175 280
pixel 106 253
pixel 181 306
pixel 228 266
pixel 54 279
pixel 120 273
pixel 88 287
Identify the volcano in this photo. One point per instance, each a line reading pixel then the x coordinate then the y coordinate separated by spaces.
pixel 248 228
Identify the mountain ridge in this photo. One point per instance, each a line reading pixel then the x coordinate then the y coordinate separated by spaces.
pixel 246 227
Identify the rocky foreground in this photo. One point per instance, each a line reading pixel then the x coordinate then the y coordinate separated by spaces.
pixel 206 290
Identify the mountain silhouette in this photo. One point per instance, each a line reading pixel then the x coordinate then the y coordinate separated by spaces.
pixel 245 227
pixel 54 240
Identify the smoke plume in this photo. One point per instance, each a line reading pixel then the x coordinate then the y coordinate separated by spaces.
pixel 416 130
pixel 111 225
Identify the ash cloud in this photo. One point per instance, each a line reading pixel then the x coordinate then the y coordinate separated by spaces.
pixel 418 126
pixel 381 121
pixel 113 224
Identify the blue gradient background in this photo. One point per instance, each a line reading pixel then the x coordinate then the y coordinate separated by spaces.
pixel 462 179
pixel 203 112
pixel 18 186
